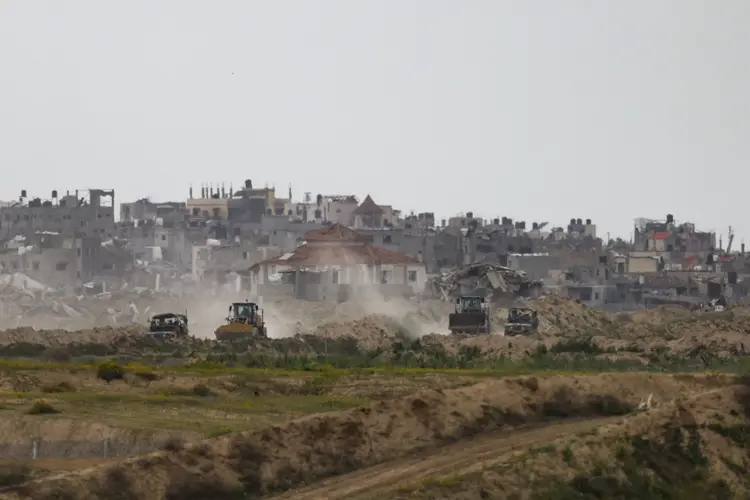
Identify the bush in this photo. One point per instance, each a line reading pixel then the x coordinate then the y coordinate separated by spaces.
pixel 42 408
pixel 202 391
pixel 11 475
pixel 580 345
pixel 110 371
pixel 174 444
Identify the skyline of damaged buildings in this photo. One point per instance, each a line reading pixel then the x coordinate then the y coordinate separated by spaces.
pixel 326 246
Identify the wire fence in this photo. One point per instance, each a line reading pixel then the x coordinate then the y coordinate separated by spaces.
pixel 39 449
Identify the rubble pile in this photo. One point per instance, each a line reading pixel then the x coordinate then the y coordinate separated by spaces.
pixel 487 280
pixel 26 302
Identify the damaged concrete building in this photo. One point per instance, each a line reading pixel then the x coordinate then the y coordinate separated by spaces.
pixel 85 212
pixel 167 214
pixel 55 260
pixel 217 263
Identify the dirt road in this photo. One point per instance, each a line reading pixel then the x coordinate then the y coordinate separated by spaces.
pixel 461 457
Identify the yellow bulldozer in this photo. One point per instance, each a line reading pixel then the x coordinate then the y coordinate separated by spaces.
pixel 245 320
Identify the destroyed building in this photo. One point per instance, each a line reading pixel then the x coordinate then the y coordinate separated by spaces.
pixel 487 280
pixel 88 212
pixel 668 235
pixel 339 209
pixel 214 261
pixel 59 261
pixel 537 266
pixel 165 214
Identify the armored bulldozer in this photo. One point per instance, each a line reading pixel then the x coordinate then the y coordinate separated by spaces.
pixel 521 321
pixel 245 320
pixel 471 316
pixel 168 326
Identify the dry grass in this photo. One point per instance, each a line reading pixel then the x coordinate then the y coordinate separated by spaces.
pixel 200 406
pixel 695 446
pixel 276 458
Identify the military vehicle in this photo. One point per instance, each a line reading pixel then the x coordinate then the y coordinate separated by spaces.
pixel 168 326
pixel 521 321
pixel 245 320
pixel 471 316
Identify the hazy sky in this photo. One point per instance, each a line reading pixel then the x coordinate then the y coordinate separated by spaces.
pixel 537 110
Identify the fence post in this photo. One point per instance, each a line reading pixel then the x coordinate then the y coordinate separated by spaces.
pixel 106 447
pixel 35 449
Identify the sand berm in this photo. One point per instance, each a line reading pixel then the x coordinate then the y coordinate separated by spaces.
pixel 303 451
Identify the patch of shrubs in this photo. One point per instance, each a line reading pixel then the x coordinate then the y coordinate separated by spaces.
pixel 110 371
pixel 42 408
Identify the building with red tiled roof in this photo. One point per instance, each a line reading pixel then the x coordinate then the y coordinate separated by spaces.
pixel 336 262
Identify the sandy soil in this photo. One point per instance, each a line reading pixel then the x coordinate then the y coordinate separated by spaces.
pixel 682 447
pixel 452 459
pixel 320 446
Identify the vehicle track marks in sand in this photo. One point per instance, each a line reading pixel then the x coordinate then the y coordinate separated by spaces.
pixel 451 459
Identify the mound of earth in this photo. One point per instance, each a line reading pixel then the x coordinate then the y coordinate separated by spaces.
pixel 722 334
pixel 55 338
pixel 559 313
pixel 282 457
pixel 697 446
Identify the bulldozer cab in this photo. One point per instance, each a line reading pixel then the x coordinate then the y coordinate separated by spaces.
pixel 245 320
pixel 243 312
pixel 470 304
